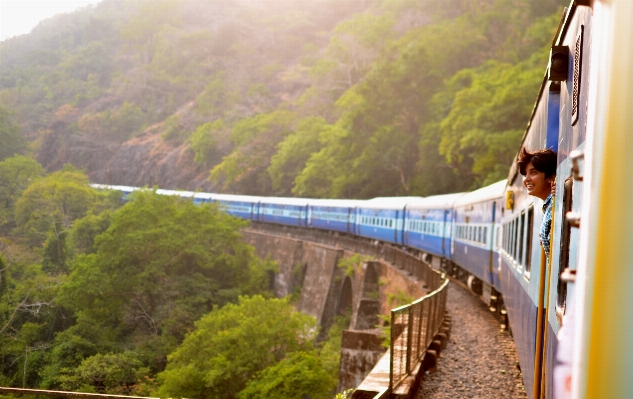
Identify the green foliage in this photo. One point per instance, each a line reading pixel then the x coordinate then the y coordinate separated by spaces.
pixel 161 264
pixel 16 173
pixel 293 153
pixel 255 141
pixel 330 351
pixel 210 142
pixel 51 204
pixel 299 375
pixel 480 131
pixel 12 141
pixel 349 265
pixel 28 317
pixel 399 298
pixel 231 345
pixel 345 394
pixel 216 98
pixel 115 373
pixel 85 230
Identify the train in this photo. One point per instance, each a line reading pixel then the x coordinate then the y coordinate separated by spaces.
pixel 569 316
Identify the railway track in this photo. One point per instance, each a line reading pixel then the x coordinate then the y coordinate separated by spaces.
pixel 480 360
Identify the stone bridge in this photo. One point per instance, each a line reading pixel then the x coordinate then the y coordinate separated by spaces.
pixel 326 273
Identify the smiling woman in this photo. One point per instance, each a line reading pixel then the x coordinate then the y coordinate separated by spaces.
pixel 539 171
pixel 18 17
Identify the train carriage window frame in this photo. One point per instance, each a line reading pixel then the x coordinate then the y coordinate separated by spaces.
pixel 565 248
pixel 520 254
pixel 577 76
pixel 529 244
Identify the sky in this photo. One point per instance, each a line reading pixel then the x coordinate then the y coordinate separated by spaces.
pixel 18 17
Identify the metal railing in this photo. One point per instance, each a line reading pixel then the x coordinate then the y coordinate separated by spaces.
pixel 413 327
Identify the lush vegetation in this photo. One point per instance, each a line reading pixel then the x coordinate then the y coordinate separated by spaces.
pixel 154 296
pixel 322 98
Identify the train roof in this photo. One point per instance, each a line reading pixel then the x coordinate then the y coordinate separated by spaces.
pixel 236 198
pixel 488 193
pixel 387 202
pixel 444 201
pixel 180 193
pixel 206 196
pixel 286 201
pixel 339 203
pixel 126 189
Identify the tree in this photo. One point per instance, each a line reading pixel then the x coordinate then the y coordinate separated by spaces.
pixel 160 265
pixel 11 140
pixel 51 204
pixel 293 153
pixel 485 123
pixel 255 140
pixel 113 373
pixel 232 344
pixel 298 375
pixel 210 142
pixel 16 173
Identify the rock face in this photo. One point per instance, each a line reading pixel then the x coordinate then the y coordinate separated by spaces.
pixel 150 160
pixel 145 160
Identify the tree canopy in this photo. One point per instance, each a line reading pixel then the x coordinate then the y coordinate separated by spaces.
pixel 231 345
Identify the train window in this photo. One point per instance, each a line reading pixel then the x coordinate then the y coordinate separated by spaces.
pixel 511 236
pixel 561 299
pixel 517 244
pixel 520 257
pixel 485 234
pixel 528 247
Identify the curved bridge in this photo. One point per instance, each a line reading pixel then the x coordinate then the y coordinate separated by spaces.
pixel 330 279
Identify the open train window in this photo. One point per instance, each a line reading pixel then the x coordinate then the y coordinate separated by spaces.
pixel 561 297
pixel 528 247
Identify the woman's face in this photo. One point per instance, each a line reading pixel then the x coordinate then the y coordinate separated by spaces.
pixel 536 183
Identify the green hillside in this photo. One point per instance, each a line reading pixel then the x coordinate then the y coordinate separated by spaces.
pixel 322 98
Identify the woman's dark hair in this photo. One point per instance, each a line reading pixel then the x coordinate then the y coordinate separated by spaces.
pixel 542 160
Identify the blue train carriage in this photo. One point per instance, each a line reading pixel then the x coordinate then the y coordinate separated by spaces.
pixel 200 198
pixel 596 338
pixel 241 206
pixel 474 228
pixel 428 224
pixel 280 210
pixel 332 214
pixel 383 218
pixel 558 122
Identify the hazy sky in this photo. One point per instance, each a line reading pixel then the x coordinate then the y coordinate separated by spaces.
pixel 18 17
